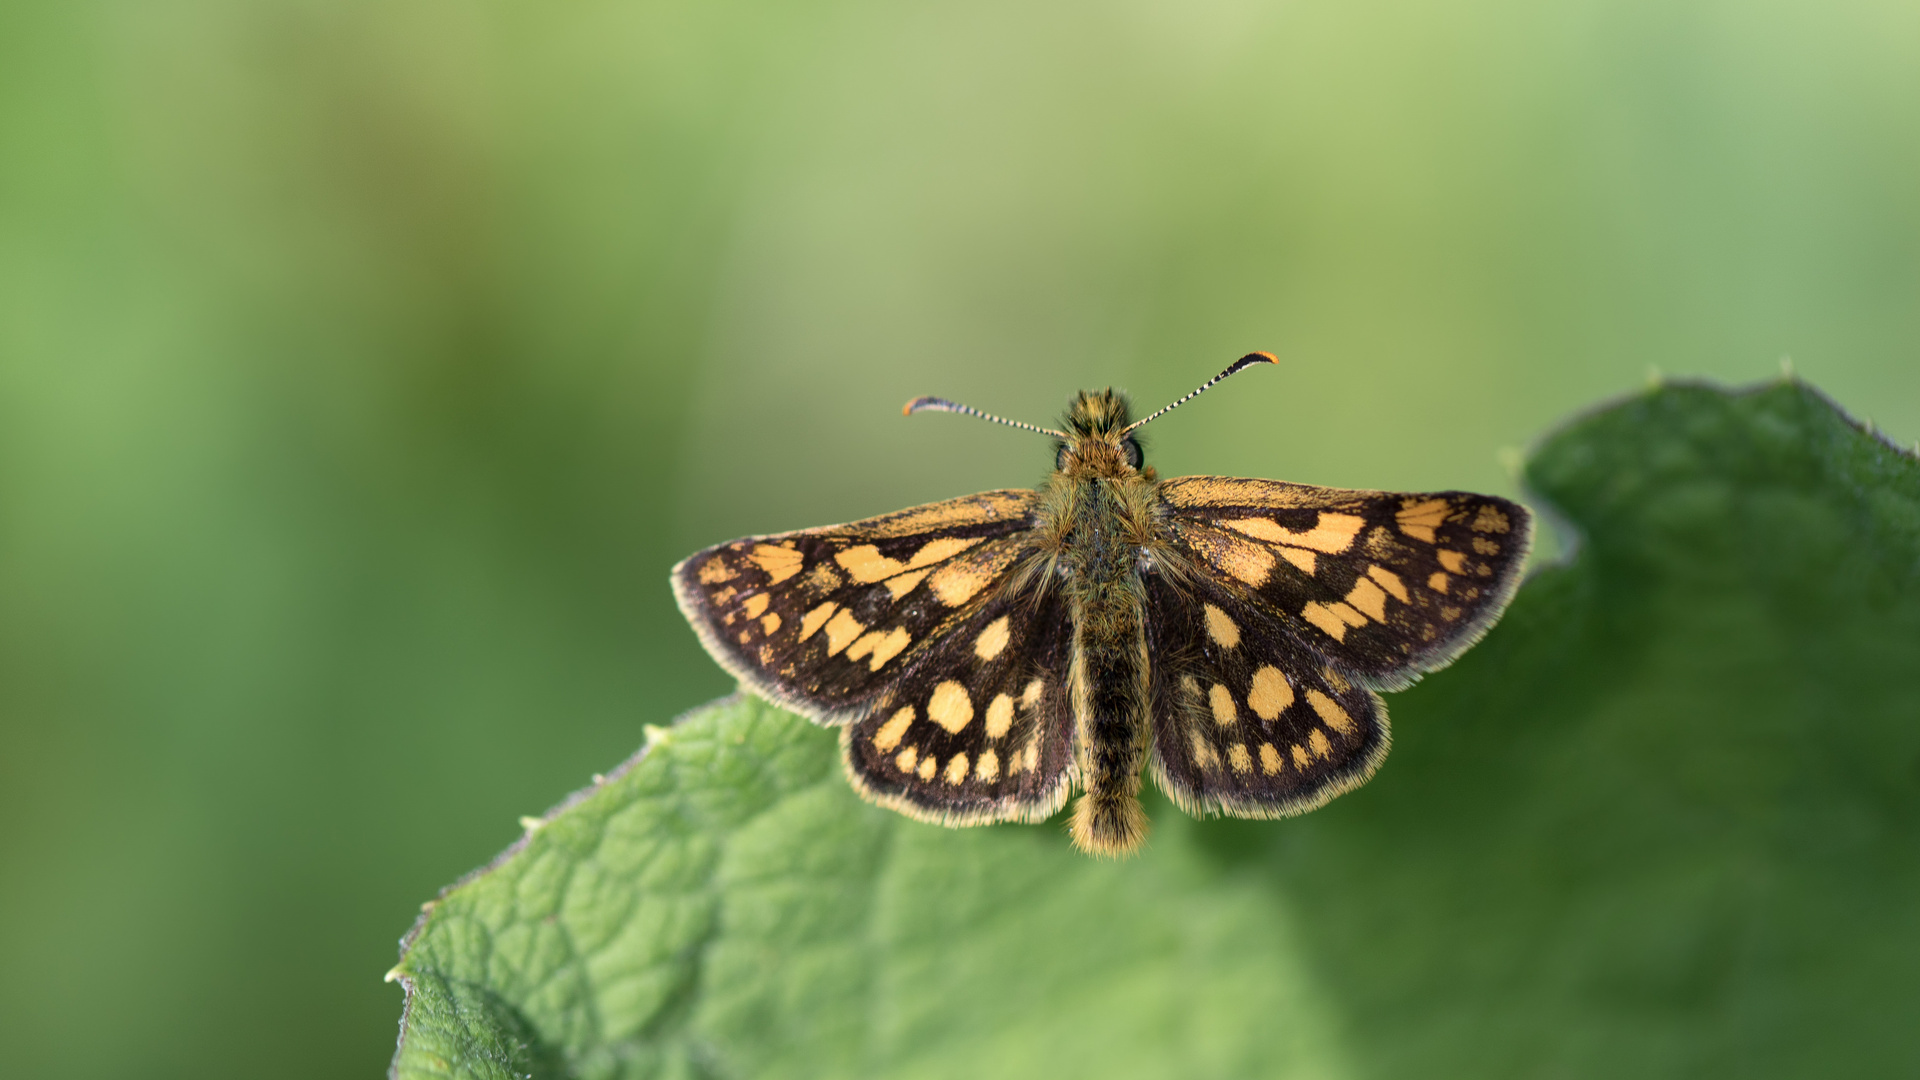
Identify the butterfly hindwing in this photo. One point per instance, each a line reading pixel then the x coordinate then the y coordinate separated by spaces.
pixel 979 727
pixel 824 619
pixel 1386 585
pixel 1247 720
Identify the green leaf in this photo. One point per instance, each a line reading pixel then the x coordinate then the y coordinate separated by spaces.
pixel 1663 822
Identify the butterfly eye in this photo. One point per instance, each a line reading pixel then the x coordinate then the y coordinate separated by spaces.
pixel 1131 448
pixel 1060 457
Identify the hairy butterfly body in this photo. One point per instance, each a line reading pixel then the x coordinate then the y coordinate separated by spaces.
pixel 986 656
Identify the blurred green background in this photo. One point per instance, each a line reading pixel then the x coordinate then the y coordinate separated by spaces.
pixel 363 367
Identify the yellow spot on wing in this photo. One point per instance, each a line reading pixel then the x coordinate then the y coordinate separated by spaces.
pixel 989 766
pixel 1389 581
pixel 1419 520
pixel 1318 741
pixel 955 585
pixel 1323 617
pixel 1269 759
pixel 972 510
pixel 1438 582
pixel 961 579
pixel 950 707
pixel 1454 561
pixel 770 623
pixel 812 621
pixel 715 571
pixel 1334 618
pixel 1031 695
pixel 823 578
pixel 907 759
pixel 866 564
pixel 779 563
pixel 1203 753
pixel 1370 599
pixel 944 548
pixel 904 583
pixel 1022 760
pixel 893 730
pixel 1271 694
pixel 1490 519
pixel 883 646
pixel 992 639
pixel 1221 628
pixel 957 769
pixel 1250 563
pixel 1331 713
pixel 1485 546
pixel 755 606
pixel 1300 758
pixel 1239 759
pixel 927 765
pixel 841 630
pixel 1300 557
pixel 1331 533
pixel 1221 699
pixel 999 716
pixel 1235 491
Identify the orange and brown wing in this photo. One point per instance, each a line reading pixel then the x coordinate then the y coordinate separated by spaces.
pixel 822 620
pixel 1384 585
pixel 980 726
pixel 1248 720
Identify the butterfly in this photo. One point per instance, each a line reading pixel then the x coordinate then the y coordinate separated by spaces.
pixel 987 656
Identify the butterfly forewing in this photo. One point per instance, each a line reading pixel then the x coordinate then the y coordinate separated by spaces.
pixel 1247 720
pixel 979 727
pixel 823 620
pixel 1385 585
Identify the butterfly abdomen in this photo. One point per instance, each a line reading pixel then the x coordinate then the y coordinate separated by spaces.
pixel 1109 673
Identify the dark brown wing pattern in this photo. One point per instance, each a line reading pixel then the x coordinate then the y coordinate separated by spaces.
pixel 1384 586
pixel 822 620
pixel 907 629
pixel 1247 720
pixel 978 728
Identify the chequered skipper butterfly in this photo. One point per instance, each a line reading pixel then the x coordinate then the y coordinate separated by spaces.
pixel 986 656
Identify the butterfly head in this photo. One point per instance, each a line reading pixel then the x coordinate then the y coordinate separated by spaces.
pixel 1097 440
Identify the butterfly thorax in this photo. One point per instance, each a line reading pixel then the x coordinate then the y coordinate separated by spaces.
pixel 1096 520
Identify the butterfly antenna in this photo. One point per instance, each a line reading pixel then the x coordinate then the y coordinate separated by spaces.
pixel 1239 365
pixel 934 404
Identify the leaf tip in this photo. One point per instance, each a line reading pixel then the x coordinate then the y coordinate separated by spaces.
pixel 1787 374
pixel 393 974
pixel 656 735
pixel 533 824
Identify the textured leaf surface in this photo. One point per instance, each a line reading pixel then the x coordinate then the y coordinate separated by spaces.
pixel 1662 822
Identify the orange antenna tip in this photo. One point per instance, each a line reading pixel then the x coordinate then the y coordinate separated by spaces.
pixel 1238 366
